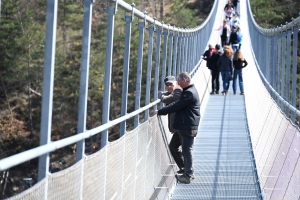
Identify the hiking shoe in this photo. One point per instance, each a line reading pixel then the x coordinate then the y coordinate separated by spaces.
pixel 181 171
pixel 183 179
pixel 242 93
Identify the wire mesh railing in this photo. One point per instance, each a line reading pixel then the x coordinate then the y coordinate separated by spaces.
pixel 276 52
pixel 272 108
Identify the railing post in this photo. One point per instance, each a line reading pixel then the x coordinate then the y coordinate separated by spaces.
pixel 157 63
pixel 170 54
pixel 164 60
pixel 268 60
pixel 128 19
pixel 273 57
pixel 179 60
pixel 283 68
pixel 84 76
pixel 108 69
pixel 185 44
pixel 278 71
pixel 198 45
pixel 175 54
pixel 189 57
pixel 294 80
pixel 149 69
pixel 48 81
pixel 288 66
pixel 139 71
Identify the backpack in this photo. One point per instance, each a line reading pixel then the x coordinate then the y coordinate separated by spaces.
pixel 234 38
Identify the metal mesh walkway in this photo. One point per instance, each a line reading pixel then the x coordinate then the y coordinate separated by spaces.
pixel 223 159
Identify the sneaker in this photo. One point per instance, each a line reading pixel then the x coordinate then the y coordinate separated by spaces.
pixel 183 179
pixel 181 171
pixel 217 92
pixel 193 177
pixel 234 93
pixel 212 92
pixel 242 93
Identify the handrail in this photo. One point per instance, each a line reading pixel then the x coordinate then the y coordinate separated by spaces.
pixel 142 15
pixel 275 30
pixel 19 158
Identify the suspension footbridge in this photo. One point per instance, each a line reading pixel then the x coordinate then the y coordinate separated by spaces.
pixel 247 146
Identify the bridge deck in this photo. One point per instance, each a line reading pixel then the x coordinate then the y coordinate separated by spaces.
pixel 222 154
pixel 223 159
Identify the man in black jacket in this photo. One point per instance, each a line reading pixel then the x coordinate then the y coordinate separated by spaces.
pixel 215 73
pixel 186 121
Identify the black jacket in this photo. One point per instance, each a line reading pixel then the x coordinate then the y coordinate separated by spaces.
pixel 168 98
pixel 187 109
pixel 225 64
pixel 239 64
pixel 213 61
pixel 206 56
pixel 233 39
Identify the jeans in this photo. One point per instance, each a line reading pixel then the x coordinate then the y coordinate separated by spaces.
pixel 235 47
pixel 225 79
pixel 187 143
pixel 215 84
pixel 238 74
pixel 174 145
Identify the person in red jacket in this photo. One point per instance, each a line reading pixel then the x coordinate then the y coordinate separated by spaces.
pixel 207 54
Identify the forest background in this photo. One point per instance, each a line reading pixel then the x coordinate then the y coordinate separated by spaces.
pixel 22 38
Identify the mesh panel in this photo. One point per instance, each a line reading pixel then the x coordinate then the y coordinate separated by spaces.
pixel 114 169
pixel 93 177
pixel 129 169
pixel 272 134
pixel 65 184
pixel 294 184
pixel 36 192
pixel 137 166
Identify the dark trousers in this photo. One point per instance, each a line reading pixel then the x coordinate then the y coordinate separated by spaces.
pixel 223 40
pixel 174 145
pixel 187 143
pixel 215 84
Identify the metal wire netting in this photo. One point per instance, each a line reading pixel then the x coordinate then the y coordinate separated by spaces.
pixel 137 166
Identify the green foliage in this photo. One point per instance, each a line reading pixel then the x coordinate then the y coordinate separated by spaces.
pixel 272 13
pixel 181 15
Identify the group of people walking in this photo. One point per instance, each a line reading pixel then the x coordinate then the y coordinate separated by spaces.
pixel 182 103
pixel 227 60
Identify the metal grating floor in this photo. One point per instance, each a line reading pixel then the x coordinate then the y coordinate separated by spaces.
pixel 223 159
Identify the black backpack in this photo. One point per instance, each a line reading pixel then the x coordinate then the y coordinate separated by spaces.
pixel 234 38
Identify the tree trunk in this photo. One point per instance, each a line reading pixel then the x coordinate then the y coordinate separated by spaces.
pixel 162 5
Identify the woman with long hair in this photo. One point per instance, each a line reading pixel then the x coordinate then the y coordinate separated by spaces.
pixel 225 67
pixel 239 63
